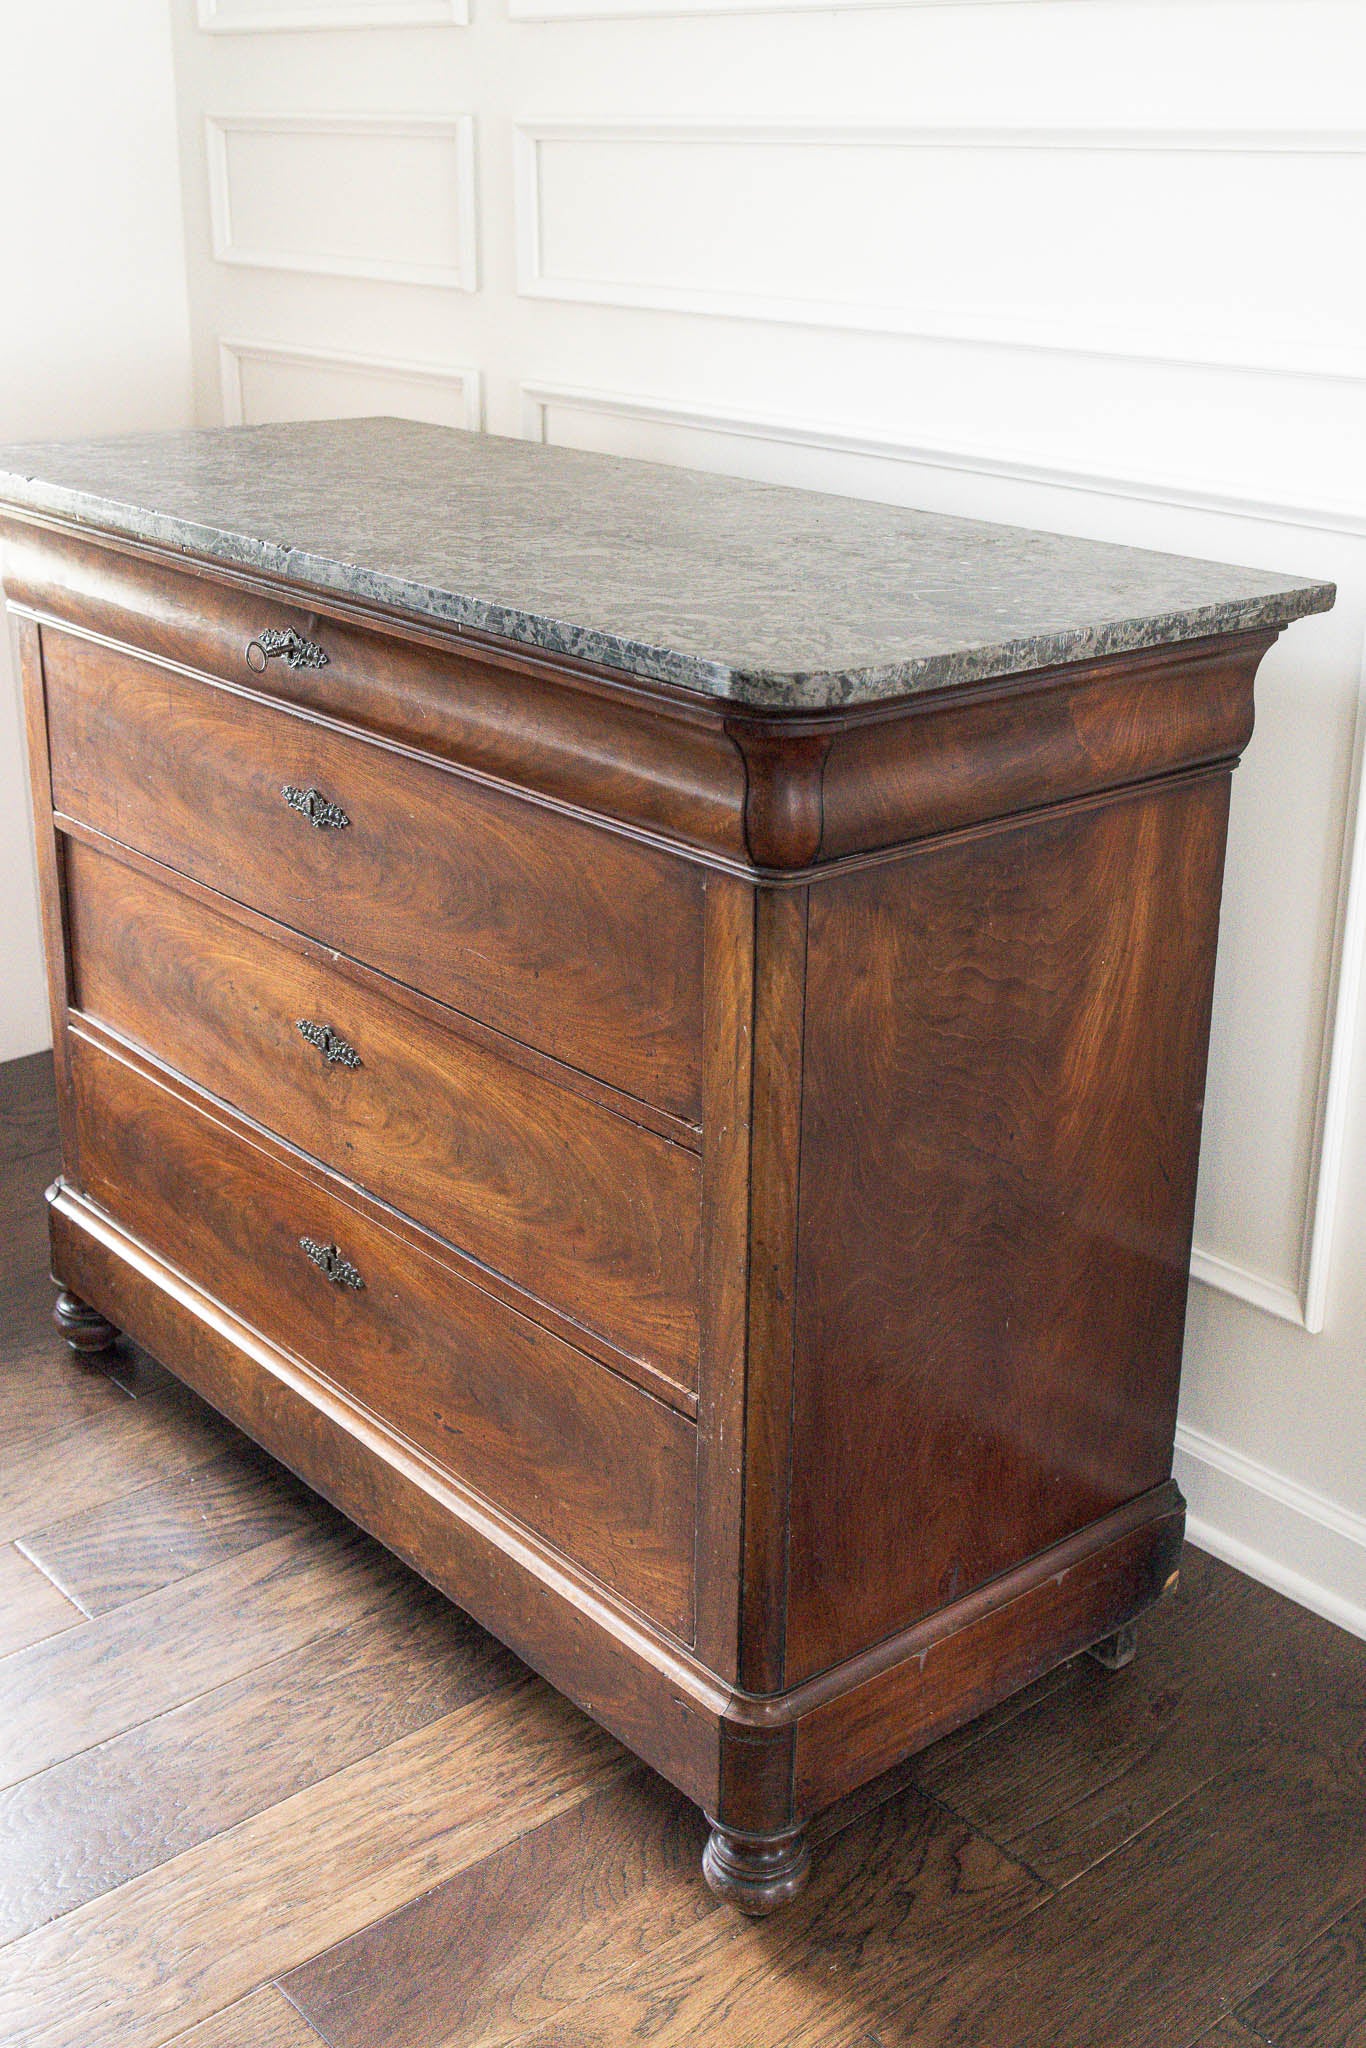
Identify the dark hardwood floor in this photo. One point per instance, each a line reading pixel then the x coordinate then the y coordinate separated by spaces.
pixel 260 1788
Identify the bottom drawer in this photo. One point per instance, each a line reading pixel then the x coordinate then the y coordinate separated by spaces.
pixel 541 1430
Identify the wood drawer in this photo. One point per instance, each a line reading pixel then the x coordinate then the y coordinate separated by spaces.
pixel 575 1452
pixel 577 1205
pixel 578 941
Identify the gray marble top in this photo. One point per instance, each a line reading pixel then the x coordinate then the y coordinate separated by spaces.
pixel 746 591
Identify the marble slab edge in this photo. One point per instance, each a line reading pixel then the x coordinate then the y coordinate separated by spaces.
pixel 755 688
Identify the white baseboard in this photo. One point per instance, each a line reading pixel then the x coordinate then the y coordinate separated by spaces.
pixel 1284 1534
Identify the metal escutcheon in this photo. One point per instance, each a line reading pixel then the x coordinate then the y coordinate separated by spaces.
pixel 330 1263
pixel 283 643
pixel 313 805
pixel 333 1047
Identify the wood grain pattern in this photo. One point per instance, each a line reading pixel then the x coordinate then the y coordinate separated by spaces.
pixel 72 1691
pixel 1318 1998
pixel 1048 737
pixel 727 1091
pixel 105 1556
pixel 1006 1042
pixel 584 944
pixel 630 1677
pixel 576 1205
pixel 1026 1621
pixel 540 1925
pixel 574 1451
pixel 264 2019
pixel 779 1008
pixel 587 737
pixel 1149 1948
pixel 1231 2033
pixel 89 1462
pixel 32 1608
pixel 356 1845
pixel 47 1397
pixel 895 1904
pixel 91 1823
pixel 28 1107
pixel 1099 1759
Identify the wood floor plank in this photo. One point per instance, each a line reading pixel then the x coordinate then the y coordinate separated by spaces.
pixel 44 1387
pixel 183 1942
pixel 99 1819
pixel 129 1445
pixel 28 1108
pixel 1318 1998
pixel 24 1265
pixel 541 1924
pixel 1229 2032
pixel 264 2020
pixel 1104 1755
pixel 31 1607
pixel 1151 1947
pixel 896 1903
pixel 105 1556
pixel 62 1696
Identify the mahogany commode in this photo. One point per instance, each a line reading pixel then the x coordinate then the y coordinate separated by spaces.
pixel 646 1035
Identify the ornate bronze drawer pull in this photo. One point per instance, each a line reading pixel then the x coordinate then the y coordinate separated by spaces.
pixel 313 805
pixel 330 1044
pixel 330 1263
pixel 284 642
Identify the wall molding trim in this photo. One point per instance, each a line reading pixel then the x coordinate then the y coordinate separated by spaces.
pixel 1228 1276
pixel 1301 1300
pixel 1346 986
pixel 640 10
pixel 1001 327
pixel 538 395
pixel 248 17
pixel 459 274
pixel 1232 1500
pixel 233 352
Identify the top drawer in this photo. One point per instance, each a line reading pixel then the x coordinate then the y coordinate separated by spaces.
pixel 575 940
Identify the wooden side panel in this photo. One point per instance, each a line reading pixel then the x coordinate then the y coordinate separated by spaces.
pixel 581 1208
pixel 1005 1059
pixel 582 1457
pixel 954 1675
pixel 580 942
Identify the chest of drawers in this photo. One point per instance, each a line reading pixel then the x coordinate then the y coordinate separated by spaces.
pixel 696 1154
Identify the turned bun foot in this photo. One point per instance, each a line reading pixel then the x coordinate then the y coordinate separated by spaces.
pixel 757 1873
pixel 85 1329
pixel 1115 1651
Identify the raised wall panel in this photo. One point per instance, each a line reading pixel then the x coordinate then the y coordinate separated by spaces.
pixel 248 17
pixel 959 233
pixel 269 381
pixel 388 197
pixel 595 10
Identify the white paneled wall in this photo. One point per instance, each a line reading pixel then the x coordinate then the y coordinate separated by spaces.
pixel 1083 264
pixel 94 333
